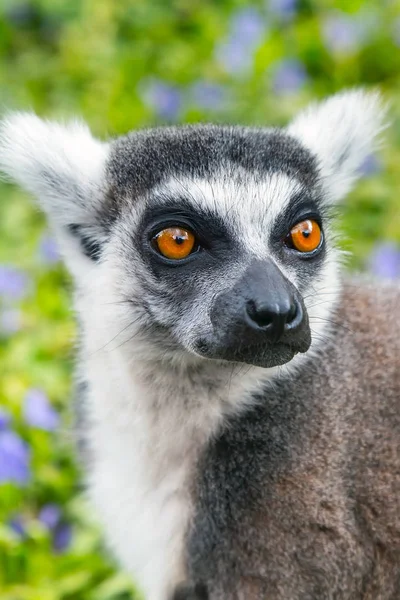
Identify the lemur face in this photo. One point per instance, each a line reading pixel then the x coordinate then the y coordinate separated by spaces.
pixel 223 238
pixel 199 242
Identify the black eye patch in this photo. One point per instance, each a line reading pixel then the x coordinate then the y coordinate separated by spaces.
pixel 208 227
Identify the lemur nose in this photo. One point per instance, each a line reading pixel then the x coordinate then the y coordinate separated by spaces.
pixel 274 318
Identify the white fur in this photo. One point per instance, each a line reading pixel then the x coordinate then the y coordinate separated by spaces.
pixel 340 132
pixel 63 166
pixel 235 193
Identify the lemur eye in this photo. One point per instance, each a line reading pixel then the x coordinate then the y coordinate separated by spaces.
pixel 174 242
pixel 305 236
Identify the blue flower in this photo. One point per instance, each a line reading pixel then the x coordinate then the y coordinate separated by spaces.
pixel 165 99
pixel 48 250
pixel 18 526
pixel 342 33
pixel 288 77
pixel 209 96
pixel 14 283
pixel 247 26
pixel 62 537
pixel 247 30
pixel 5 419
pixel 235 57
pixel 38 411
pixel 10 321
pixel 49 516
pixel 283 9
pixel 385 261
pixel 14 459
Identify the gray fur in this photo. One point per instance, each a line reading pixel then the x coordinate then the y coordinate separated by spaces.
pixel 299 499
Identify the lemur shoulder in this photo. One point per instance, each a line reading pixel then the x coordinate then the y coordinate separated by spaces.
pixel 239 406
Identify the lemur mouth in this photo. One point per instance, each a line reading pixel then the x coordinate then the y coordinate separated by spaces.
pixel 281 355
pixel 265 355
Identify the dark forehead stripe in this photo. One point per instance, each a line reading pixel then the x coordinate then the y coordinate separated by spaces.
pixel 142 159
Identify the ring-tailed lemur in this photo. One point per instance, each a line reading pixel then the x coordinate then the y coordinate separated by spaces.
pixel 241 407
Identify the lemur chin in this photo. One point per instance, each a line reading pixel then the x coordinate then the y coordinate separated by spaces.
pixel 238 403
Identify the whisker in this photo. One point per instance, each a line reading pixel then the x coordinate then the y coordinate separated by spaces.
pixel 331 321
pixel 116 335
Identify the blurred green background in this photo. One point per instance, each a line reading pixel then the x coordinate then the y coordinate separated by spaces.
pixel 127 64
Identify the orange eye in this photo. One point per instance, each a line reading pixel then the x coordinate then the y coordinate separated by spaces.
pixel 306 236
pixel 175 243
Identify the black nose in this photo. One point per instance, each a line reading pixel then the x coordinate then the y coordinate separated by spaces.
pixel 274 317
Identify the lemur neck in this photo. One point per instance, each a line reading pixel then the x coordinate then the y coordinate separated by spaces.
pixel 198 396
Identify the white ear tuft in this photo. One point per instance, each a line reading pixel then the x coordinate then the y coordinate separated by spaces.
pixel 63 166
pixel 341 132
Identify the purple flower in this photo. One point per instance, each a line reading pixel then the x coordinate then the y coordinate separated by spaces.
pixel 288 77
pixel 246 33
pixel 48 250
pixel 342 33
pixel 14 459
pixel 385 260
pixel 49 516
pixel 235 56
pixel 17 525
pixel 209 96
pixel 165 99
pixel 62 537
pixel 14 283
pixel 247 26
pixel 5 419
pixel 10 321
pixel 38 411
pixel 283 9
pixel 370 166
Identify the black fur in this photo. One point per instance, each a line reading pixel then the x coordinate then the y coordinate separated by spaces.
pixel 191 592
pixel 90 246
pixel 142 159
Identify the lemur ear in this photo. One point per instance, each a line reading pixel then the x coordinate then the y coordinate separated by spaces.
pixel 341 132
pixel 63 166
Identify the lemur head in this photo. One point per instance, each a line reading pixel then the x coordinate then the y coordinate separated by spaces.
pixel 199 242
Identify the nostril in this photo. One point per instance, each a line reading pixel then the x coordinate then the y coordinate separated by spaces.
pixel 295 316
pixel 292 314
pixel 273 318
pixel 261 315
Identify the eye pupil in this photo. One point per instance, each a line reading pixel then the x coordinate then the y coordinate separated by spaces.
pixel 306 233
pixel 174 243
